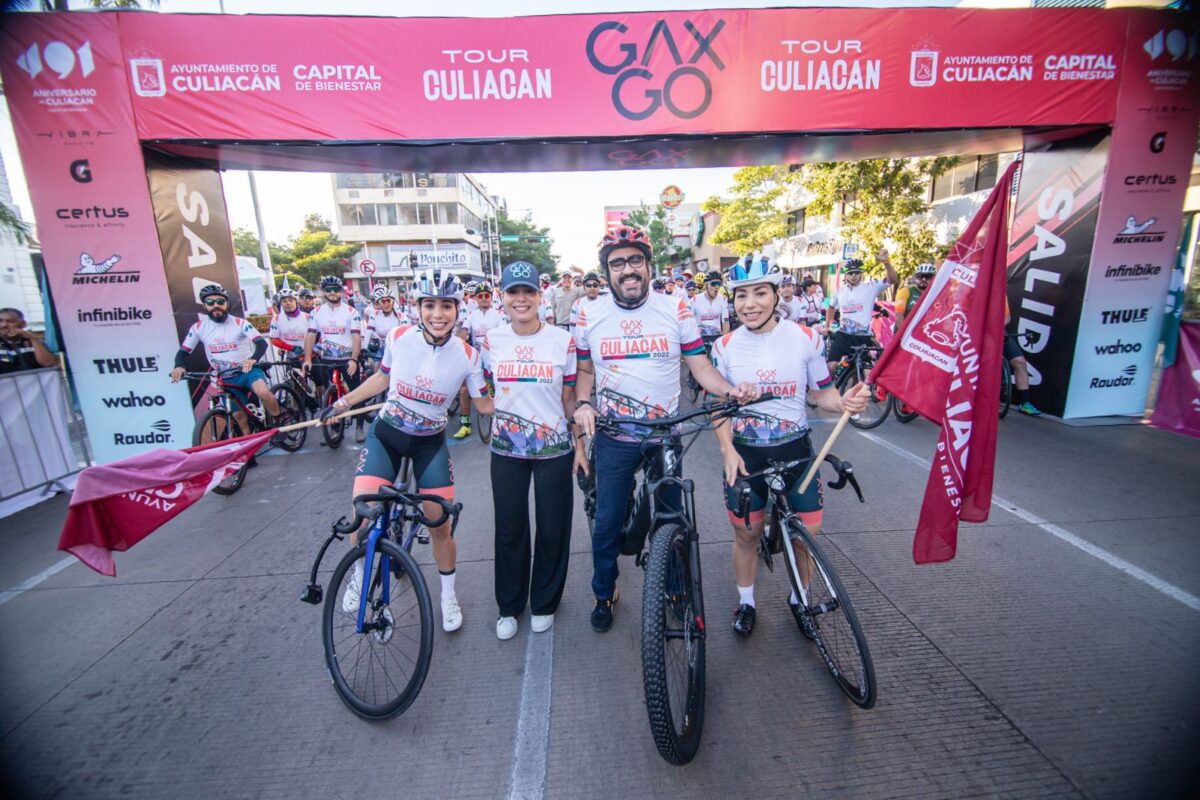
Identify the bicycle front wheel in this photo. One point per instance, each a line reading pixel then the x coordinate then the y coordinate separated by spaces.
pixel 288 399
pixel 483 425
pixel 827 616
pixel 379 671
pixel 333 433
pixel 1006 386
pixel 673 646
pixel 879 403
pixel 901 414
pixel 217 425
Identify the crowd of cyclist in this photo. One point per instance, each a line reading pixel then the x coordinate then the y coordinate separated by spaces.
pixel 509 351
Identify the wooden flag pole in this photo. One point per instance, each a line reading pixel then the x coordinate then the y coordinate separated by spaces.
pixel 314 422
pixel 837 431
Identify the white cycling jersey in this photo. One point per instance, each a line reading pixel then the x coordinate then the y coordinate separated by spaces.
pixel 227 344
pixel 336 326
pixel 856 304
pixel 529 373
pixel 710 314
pixel 290 329
pixel 380 325
pixel 784 362
pixel 479 322
pixel 423 379
pixel 580 304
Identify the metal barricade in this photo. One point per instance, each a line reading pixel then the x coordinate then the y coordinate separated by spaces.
pixel 42 438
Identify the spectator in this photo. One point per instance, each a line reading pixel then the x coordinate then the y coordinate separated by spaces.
pixel 19 348
pixel 562 297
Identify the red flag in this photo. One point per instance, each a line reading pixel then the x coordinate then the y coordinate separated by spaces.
pixel 115 506
pixel 945 363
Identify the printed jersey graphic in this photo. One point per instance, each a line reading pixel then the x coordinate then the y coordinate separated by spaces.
pixel 529 374
pixel 423 379
pixel 227 344
pixel 335 327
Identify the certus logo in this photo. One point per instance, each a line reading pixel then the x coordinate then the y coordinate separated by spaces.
pixel 686 90
pixel 81 171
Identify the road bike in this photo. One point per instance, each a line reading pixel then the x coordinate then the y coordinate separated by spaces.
pixel 694 387
pixel 673 629
pixel 378 651
pixel 1006 375
pixel 853 370
pixel 333 433
pixel 825 614
pixel 220 421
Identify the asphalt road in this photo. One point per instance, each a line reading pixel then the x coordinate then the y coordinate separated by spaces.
pixel 1055 657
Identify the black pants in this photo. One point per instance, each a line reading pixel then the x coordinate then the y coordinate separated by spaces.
pixel 553 502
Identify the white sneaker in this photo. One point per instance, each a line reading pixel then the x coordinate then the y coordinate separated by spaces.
pixel 451 614
pixel 350 596
pixel 540 623
pixel 506 628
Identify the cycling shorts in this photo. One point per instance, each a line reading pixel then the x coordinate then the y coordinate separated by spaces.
pixel 239 383
pixel 387 445
pixel 808 505
pixel 1011 349
pixel 843 344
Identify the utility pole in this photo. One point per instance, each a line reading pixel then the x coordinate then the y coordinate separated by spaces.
pixel 262 232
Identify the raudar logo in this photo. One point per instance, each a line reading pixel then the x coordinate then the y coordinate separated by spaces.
pixel 158 433
pixel 1136 232
pixel 1124 379
pixel 93 271
pixel 682 86
pixel 130 365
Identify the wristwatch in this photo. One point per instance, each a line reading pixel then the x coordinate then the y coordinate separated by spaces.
pixel 581 403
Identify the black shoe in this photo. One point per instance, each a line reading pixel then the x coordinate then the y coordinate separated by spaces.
pixel 803 621
pixel 602 615
pixel 253 462
pixel 743 619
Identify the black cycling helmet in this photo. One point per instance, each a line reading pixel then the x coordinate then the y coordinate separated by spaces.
pixel 213 290
pixel 658 283
pixel 592 277
pixel 305 292
pixel 331 282
pixel 851 265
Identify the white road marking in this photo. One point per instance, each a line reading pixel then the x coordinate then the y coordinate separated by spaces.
pixel 26 585
pixel 1137 573
pixel 533 725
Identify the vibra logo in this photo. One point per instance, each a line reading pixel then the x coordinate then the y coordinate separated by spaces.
pixel 159 433
pixel 1136 232
pixel 59 58
pixel 1118 348
pixel 922 68
pixel 126 366
pixel 133 400
pixel 1175 43
pixel 148 78
pixel 1124 379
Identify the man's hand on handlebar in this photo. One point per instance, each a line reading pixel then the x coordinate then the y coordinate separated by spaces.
pixel 745 392
pixel 177 374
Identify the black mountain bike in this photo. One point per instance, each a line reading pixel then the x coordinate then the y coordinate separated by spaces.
pixel 378 649
pixel 825 614
pixel 673 629
pixel 851 372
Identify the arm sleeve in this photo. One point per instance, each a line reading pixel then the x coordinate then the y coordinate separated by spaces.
pixel 181 357
pixel 476 385
pixel 690 343
pixel 260 349
pixel 569 368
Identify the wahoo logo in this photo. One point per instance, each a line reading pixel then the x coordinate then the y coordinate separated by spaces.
pixel 1124 379
pixel 134 400
pixel 1136 232
pixel 1118 348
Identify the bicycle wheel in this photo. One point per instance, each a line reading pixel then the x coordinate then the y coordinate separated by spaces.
pixel 903 416
pixel 215 426
pixel 827 617
pixel 455 406
pixel 288 399
pixel 673 646
pixel 693 388
pixel 876 411
pixel 379 673
pixel 333 433
pixel 1006 385
pixel 483 426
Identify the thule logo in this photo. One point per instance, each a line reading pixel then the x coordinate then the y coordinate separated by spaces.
pixel 1124 315
pixel 117 366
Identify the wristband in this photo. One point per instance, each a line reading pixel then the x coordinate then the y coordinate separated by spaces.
pixel 340 404
pixel 581 403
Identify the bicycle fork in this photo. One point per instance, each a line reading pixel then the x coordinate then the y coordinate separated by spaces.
pixel 377 531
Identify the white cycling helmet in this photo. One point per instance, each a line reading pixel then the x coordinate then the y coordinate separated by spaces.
pixel 436 282
pixel 754 270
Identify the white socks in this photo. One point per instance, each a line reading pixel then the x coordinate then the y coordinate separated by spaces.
pixel 447 584
pixel 746 595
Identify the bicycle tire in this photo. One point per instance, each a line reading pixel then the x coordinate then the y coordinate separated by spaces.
pixel 287 398
pixel 483 426
pixel 337 431
pixel 902 416
pixel 670 615
pixel 693 388
pixel 220 425
pixel 389 699
pixel 455 407
pixel 1006 388
pixel 877 410
pixel 834 626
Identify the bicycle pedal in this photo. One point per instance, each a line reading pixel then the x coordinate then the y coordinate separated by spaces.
pixel 423 538
pixel 312 594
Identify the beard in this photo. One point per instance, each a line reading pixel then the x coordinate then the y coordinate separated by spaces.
pixel 217 314
pixel 631 289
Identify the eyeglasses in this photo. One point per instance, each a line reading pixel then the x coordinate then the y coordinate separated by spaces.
pixel 618 264
pixel 592 285
pixel 484 295
pixel 216 301
pixel 922 277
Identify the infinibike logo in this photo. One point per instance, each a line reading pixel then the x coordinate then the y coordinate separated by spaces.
pixel 674 90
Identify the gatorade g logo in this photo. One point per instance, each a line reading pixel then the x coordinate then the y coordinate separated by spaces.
pixel 632 327
pixel 638 91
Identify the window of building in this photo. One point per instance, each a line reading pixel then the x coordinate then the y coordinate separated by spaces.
pixel 968 176
pixel 358 214
pixel 408 214
pixel 358 180
pixel 388 214
pixel 797 220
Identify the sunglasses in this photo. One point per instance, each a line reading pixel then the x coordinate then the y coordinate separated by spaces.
pixel 592 285
pixel 216 301
pixel 618 264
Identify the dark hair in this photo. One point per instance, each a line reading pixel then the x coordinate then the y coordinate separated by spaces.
pixel 18 312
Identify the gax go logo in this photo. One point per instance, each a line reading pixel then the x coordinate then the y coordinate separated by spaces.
pixel 686 90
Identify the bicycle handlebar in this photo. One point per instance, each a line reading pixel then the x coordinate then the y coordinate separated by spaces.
pixel 390 494
pixel 725 408
pixel 844 469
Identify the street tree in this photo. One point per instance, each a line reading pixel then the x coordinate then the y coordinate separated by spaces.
pixel 317 252
pixel 754 215
pixel 245 243
pixel 531 243
pixel 653 221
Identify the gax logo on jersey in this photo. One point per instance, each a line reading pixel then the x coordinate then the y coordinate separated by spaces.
pixel 632 327
pixel 524 353
pixel 159 433
pixel 424 383
pixel 765 375
pixel 686 90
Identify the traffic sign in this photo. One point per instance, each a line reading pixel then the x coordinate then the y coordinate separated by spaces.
pixel 366 266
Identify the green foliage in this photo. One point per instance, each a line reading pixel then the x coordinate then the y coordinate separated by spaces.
pixel 245 243
pixel 654 223
pixel 307 257
pixel 537 253
pixel 14 226
pixel 754 215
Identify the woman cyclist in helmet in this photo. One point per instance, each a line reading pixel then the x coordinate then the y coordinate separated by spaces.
pixel 422 367
pixel 781 358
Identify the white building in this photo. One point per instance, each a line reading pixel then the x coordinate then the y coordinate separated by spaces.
pixel 18 282
pixel 447 219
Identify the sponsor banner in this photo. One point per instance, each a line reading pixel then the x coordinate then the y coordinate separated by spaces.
pixel 1052 230
pixel 194 237
pixel 459 256
pixel 1153 144
pixel 701 72
pixel 64 77
pixel 1178 405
